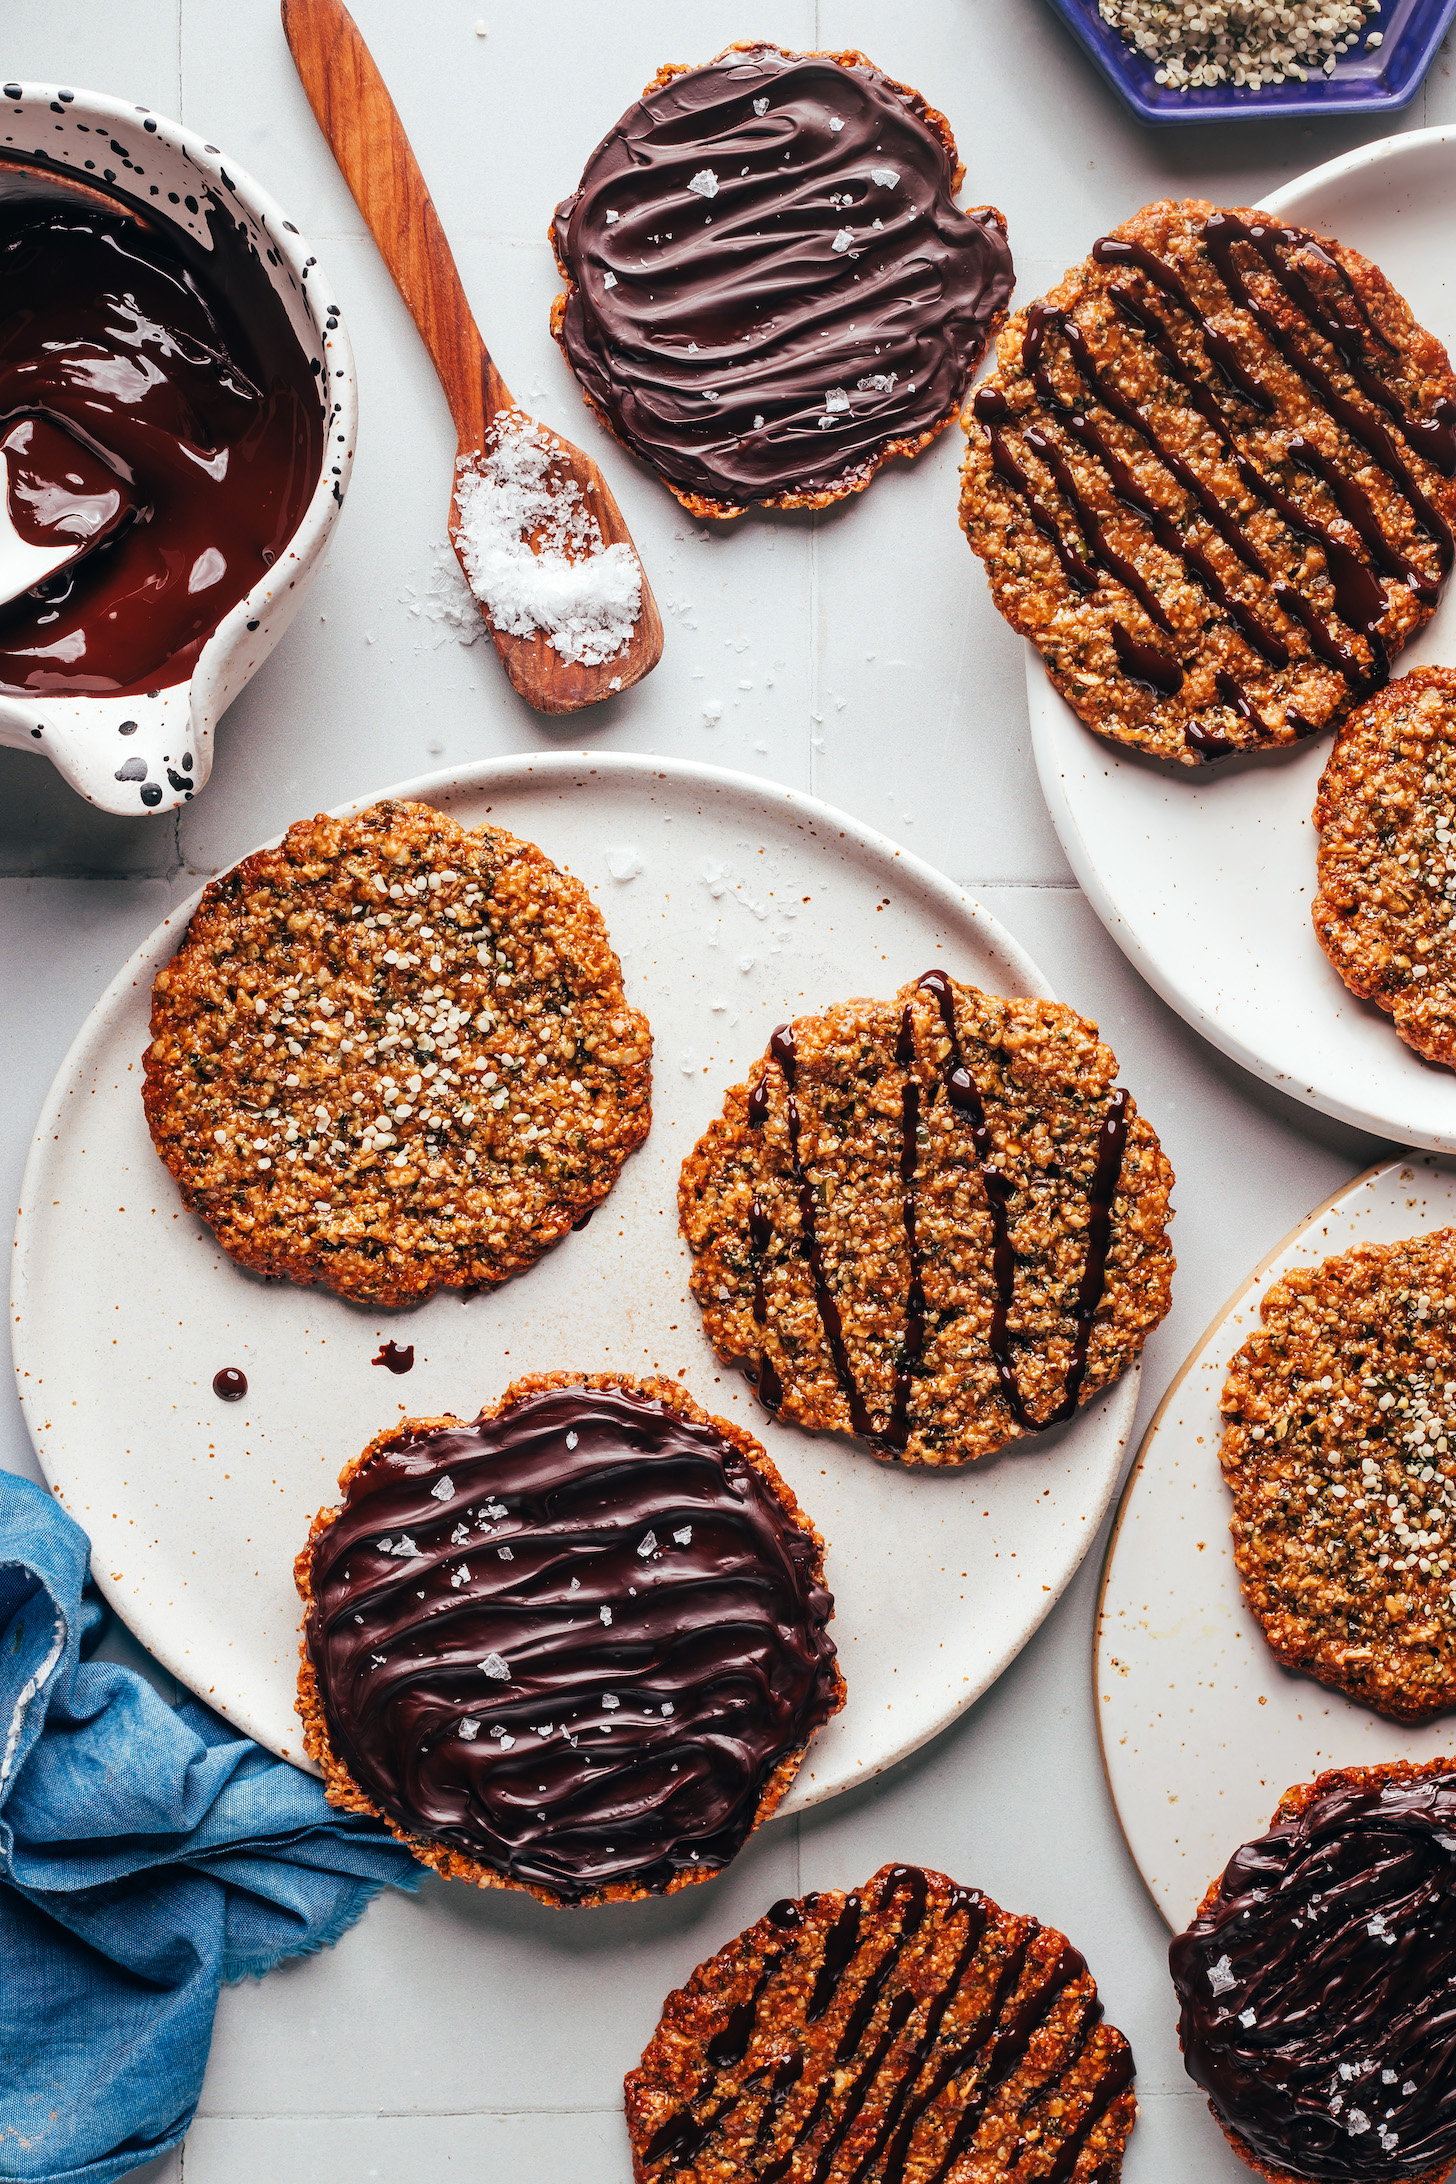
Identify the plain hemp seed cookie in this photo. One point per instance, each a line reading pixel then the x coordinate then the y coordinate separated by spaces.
pixel 393 1055
pixel 1386 812
pixel 1314 1984
pixel 1213 480
pixel 1340 1452
pixel 909 2033
pixel 935 1222
pixel 577 1646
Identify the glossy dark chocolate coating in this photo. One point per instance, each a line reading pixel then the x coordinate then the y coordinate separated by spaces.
pixel 174 368
pixel 1293 1918
pixel 716 1655
pixel 751 276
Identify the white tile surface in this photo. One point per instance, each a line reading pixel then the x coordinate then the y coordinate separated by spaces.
pixel 481 2034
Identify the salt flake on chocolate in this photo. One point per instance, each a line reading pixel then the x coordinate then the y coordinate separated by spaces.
pixel 842 240
pixel 1221 1978
pixel 704 183
pixel 760 106
pixel 445 1491
pixel 495 1666
pixel 885 176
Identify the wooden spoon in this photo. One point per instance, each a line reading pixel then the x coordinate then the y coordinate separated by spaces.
pixel 366 136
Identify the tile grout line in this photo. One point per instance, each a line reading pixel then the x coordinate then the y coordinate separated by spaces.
pixel 382 2115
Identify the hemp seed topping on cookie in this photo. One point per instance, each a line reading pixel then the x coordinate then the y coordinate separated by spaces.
pixel 394 1055
pixel 1340 1452
pixel 1385 913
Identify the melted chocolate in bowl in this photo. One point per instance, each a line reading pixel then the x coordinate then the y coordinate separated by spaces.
pixel 1318 1994
pixel 162 377
pixel 771 280
pixel 573 1641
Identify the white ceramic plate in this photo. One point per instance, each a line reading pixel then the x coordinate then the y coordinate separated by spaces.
pixel 752 904
pixel 1202 1730
pixel 1205 880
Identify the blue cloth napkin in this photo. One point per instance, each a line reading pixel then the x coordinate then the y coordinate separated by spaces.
pixel 147 1854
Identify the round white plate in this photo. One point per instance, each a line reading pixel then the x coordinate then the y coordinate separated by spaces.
pixel 1205 880
pixel 1202 1730
pixel 751 904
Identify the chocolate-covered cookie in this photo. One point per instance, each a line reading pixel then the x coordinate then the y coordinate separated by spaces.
pixel 770 290
pixel 911 2032
pixel 936 1222
pixel 1213 480
pixel 1315 1984
pixel 577 1646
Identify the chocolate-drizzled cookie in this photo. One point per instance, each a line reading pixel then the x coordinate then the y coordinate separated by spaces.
pixel 577 1646
pixel 936 1222
pixel 394 1054
pixel 1315 1983
pixel 1213 480
pixel 907 2033
pixel 1340 1453
pixel 1385 913
pixel 770 290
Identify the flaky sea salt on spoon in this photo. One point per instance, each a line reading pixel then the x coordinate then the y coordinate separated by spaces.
pixel 533 552
pixel 539 536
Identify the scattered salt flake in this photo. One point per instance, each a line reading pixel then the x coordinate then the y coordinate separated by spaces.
pixel 667 1708
pixel 611 219
pixel 445 1491
pixel 1221 1978
pixel 842 240
pixel 605 1614
pixel 648 1546
pixel 461 1576
pixel 502 1737
pixel 505 1554
pixel 516 496
pixel 684 1538
pixel 378 1659
pixel 460 1535
pixel 609 280
pixel 494 1665
pixel 572 1438
pixel 885 176
pixel 1409 2087
pixel 470 1728
pixel 836 401
pixel 1247 2017
pixel 760 106
pixel 835 124
pixel 758 420
pixel 704 182
pixel 877 383
pixel 610 1701
pixel 624 863
pixel 1356 2122
pixel 575 1585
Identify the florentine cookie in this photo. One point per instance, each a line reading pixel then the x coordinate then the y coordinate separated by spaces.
pixel 769 290
pixel 576 1647
pixel 933 1222
pixel 1386 908
pixel 392 1055
pixel 1340 1451
pixel 1213 480
pixel 910 2033
pixel 1314 1985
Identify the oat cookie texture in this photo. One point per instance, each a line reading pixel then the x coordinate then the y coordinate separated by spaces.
pixel 935 1222
pixel 576 1646
pixel 1386 813
pixel 1340 1453
pixel 910 2032
pixel 1213 480
pixel 394 1055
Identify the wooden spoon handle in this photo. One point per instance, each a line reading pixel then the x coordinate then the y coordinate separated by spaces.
pixel 366 136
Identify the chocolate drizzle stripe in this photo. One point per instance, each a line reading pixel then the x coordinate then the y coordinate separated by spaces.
pixel 960 1088
pixel 781 1049
pixel 897 1432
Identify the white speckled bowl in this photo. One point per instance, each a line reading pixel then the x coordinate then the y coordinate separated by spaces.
pixel 90 135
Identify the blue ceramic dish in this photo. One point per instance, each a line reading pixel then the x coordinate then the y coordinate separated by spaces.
pixel 1363 83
